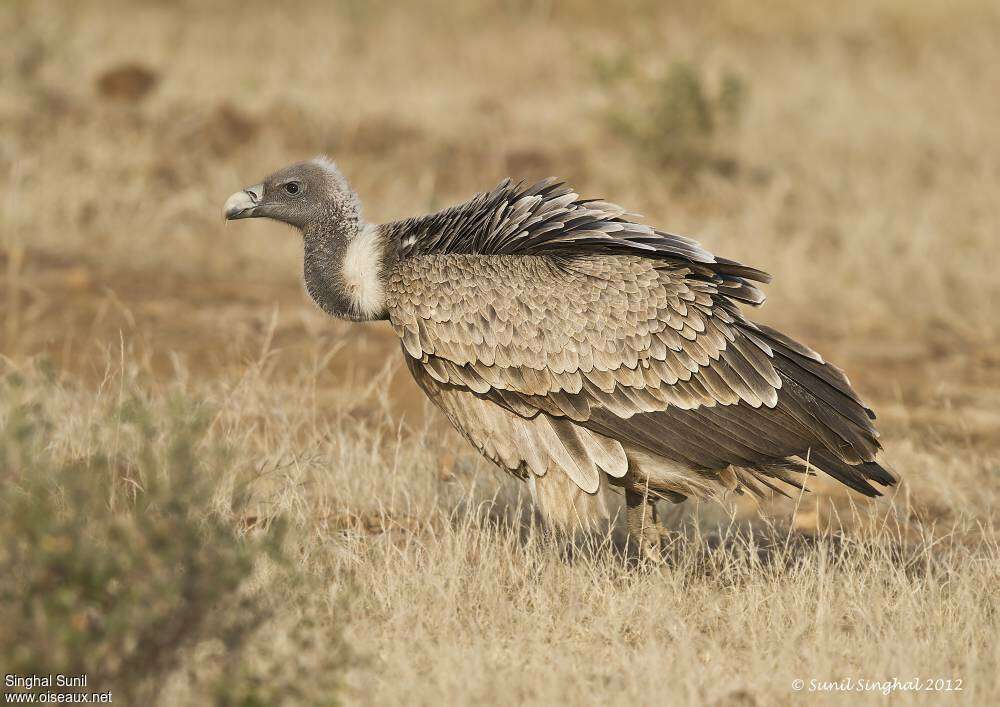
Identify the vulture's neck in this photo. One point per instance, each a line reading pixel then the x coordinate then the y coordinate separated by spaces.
pixel 345 267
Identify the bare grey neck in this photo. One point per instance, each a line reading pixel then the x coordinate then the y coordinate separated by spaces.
pixel 345 266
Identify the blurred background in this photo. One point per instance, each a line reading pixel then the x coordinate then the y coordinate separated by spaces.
pixel 845 152
pixel 850 150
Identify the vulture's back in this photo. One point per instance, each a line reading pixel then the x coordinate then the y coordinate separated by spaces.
pixel 575 349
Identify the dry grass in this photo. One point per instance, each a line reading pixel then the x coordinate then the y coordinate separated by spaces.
pixel 860 173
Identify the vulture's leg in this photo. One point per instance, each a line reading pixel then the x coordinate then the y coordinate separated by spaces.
pixel 642 525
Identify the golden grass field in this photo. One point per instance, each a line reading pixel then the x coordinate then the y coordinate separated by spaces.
pixel 171 400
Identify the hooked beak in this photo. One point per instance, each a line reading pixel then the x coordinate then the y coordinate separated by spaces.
pixel 244 203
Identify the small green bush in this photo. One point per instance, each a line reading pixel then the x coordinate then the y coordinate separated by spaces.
pixel 674 118
pixel 119 565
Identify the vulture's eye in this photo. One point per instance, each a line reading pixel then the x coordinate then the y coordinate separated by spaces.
pixel 292 188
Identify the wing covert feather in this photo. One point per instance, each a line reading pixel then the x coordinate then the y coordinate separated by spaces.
pixel 597 351
pixel 540 326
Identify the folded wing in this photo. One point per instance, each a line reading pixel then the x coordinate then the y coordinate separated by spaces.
pixel 603 349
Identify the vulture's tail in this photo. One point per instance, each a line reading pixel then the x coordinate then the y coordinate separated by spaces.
pixel 817 395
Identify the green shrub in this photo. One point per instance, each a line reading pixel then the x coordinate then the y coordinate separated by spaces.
pixel 119 565
pixel 674 118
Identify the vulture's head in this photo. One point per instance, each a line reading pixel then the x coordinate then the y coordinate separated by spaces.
pixel 305 194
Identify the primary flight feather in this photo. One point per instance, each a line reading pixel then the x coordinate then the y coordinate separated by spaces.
pixel 579 349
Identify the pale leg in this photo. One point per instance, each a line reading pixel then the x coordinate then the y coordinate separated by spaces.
pixel 642 525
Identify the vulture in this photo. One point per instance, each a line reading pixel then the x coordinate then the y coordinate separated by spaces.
pixel 581 350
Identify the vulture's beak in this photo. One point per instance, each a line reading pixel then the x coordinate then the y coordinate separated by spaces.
pixel 244 203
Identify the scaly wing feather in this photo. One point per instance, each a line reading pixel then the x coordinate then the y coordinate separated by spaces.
pixel 566 312
pixel 642 351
